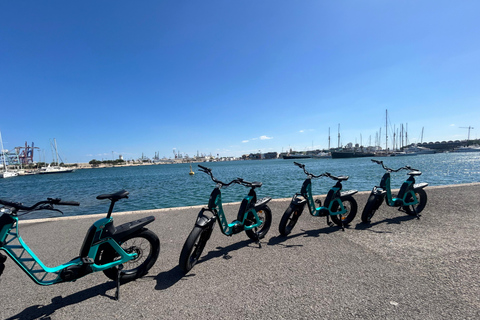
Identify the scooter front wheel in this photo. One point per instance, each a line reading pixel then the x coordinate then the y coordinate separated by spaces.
pixel 370 208
pixel 289 219
pixel 144 243
pixel 193 247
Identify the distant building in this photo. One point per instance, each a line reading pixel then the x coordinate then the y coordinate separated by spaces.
pixel 261 156
pixel 270 155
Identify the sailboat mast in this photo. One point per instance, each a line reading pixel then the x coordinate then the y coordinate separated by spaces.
pixel 406 135
pixel 3 155
pixel 380 138
pixel 386 130
pixel 56 151
pixel 338 136
pixel 328 138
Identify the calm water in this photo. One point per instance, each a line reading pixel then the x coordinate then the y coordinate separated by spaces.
pixel 166 186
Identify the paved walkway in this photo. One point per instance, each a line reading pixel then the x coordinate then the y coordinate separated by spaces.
pixel 397 268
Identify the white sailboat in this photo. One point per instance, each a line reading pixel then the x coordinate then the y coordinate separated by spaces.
pixel 56 168
pixel 5 173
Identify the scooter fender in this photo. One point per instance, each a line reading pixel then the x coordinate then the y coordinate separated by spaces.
pixel 204 221
pixel 261 203
pixel 379 196
pixel 130 227
pixel 420 185
pixel 344 194
pixel 298 201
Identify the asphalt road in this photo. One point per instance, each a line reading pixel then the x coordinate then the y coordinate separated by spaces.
pixel 396 268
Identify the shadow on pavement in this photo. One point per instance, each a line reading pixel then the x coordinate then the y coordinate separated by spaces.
pixel 44 312
pixel 278 240
pixel 169 278
pixel 396 220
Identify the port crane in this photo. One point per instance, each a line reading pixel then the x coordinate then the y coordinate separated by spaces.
pixel 469 128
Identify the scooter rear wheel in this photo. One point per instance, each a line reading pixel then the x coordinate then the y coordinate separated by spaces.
pixel 147 246
pixel 265 214
pixel 422 202
pixel 350 205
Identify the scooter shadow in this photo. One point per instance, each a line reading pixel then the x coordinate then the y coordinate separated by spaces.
pixel 278 240
pixel 396 220
pixel 169 278
pixel 45 312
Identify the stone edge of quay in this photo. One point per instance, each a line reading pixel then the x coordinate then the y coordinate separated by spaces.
pixel 165 210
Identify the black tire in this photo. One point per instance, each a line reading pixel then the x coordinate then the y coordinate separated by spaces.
pixel 351 205
pixel 289 219
pixel 147 246
pixel 193 247
pixel 422 202
pixel 3 258
pixel 370 208
pixel 265 214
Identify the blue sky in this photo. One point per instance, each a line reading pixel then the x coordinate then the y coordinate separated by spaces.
pixel 232 77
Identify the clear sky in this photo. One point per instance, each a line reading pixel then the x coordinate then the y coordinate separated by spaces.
pixel 232 77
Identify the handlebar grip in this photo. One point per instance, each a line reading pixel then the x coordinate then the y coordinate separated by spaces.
pixel 298 164
pixel 69 203
pixel 16 205
pixel 376 161
pixel 8 203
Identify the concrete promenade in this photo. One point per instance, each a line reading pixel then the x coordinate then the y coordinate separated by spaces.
pixel 396 268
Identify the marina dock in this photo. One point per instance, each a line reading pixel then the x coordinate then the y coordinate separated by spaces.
pixel 399 267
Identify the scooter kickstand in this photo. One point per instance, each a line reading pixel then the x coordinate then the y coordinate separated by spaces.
pixel 119 274
pixel 257 241
pixel 416 213
pixel 329 223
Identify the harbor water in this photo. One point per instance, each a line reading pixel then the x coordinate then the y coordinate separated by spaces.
pixel 168 186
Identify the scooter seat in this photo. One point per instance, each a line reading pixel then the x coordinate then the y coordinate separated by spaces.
pixel 256 184
pixel 114 196
pixel 414 173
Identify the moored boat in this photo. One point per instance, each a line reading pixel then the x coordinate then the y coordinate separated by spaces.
pixel 474 148
pixel 8 174
pixel 342 154
pixel 54 169
pixel 5 173
pixel 296 156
